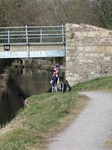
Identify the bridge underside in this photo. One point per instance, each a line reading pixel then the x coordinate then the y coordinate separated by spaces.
pixel 25 51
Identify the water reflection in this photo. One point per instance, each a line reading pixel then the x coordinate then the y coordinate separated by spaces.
pixel 21 83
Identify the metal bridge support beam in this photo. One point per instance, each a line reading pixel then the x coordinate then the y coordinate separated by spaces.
pixel 63 40
pixel 27 41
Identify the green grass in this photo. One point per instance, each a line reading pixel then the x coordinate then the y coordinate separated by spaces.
pixel 45 116
pixel 96 84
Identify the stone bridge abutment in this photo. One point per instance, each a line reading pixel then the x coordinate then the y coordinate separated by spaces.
pixel 88 52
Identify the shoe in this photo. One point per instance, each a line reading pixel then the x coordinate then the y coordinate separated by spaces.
pixel 51 81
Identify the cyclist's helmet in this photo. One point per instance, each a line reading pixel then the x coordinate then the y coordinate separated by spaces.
pixel 57 65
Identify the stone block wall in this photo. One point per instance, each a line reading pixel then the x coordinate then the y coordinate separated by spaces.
pixel 88 53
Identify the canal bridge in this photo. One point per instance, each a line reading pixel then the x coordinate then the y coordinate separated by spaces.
pixel 32 41
pixel 88 48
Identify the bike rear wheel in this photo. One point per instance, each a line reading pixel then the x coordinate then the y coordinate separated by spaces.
pixel 60 86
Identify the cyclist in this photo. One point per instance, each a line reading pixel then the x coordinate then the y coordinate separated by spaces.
pixel 55 74
pixel 58 83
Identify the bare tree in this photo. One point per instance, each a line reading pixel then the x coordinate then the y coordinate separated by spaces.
pixel 70 11
pixel 45 12
pixel 20 12
pixel 103 10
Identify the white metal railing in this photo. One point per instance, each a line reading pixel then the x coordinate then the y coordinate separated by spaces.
pixel 34 35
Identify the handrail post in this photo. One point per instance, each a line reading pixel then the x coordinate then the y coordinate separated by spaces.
pixel 41 36
pixel 63 40
pixel 27 41
pixel 8 36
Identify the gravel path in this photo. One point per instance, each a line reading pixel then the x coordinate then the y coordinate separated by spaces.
pixel 91 129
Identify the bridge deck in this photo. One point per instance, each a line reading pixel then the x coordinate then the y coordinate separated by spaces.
pixel 32 51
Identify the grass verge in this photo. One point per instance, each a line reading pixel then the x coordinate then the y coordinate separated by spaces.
pixel 46 115
pixel 104 83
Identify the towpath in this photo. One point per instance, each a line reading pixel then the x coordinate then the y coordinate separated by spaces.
pixel 91 129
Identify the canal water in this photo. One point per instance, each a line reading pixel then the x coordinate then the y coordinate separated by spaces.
pixel 21 84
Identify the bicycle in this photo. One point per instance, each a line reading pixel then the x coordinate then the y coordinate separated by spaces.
pixel 59 85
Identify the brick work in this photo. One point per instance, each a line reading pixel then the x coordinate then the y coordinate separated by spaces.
pixel 88 52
